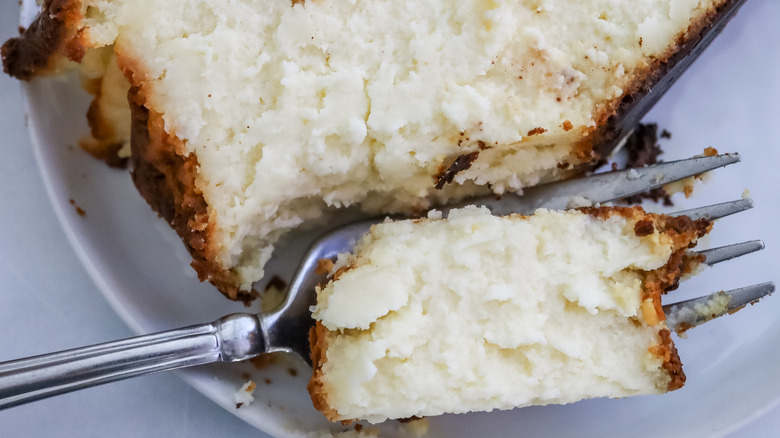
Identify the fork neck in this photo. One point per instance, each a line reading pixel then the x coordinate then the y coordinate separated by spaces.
pixel 240 336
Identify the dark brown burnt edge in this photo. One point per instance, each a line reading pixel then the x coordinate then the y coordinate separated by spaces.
pixel 672 363
pixel 461 163
pixel 53 35
pixel 683 233
pixel 613 120
pixel 167 181
pixel 53 32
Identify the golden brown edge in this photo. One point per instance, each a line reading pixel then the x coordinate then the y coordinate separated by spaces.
pixel 49 38
pixel 165 177
pixel 594 148
pixel 683 232
pixel 319 397
pixel 162 173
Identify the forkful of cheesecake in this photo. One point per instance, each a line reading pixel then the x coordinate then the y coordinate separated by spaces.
pixel 494 303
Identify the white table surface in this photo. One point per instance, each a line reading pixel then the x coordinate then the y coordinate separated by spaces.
pixel 48 302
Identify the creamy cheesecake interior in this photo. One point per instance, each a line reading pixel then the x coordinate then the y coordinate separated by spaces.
pixel 477 312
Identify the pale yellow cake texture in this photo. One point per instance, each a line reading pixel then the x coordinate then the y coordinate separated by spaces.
pixel 478 312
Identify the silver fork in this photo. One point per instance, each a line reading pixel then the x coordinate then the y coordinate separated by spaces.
pixel 243 336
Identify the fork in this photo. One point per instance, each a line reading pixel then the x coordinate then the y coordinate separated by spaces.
pixel 243 336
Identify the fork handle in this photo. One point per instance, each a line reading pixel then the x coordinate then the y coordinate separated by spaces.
pixel 234 337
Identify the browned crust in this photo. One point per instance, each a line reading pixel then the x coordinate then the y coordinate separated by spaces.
pixel 683 233
pixel 319 396
pixel 166 180
pixel 609 117
pixel 672 364
pixel 52 33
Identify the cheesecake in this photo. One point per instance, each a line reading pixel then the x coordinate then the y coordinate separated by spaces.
pixel 477 312
pixel 244 120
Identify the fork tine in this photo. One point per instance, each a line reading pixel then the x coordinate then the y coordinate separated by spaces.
pixel 610 186
pixel 724 253
pixel 687 314
pixel 717 211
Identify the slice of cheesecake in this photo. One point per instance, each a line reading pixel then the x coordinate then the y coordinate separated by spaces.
pixel 477 312
pixel 247 118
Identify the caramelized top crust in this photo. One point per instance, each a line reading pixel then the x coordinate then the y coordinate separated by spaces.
pixel 52 33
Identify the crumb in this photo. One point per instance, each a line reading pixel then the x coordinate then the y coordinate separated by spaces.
pixel 463 162
pixel 80 211
pixel 710 152
pixel 324 266
pixel 579 202
pixel 292 371
pixel 243 396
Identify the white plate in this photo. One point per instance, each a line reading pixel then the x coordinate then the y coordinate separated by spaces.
pixel 728 99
